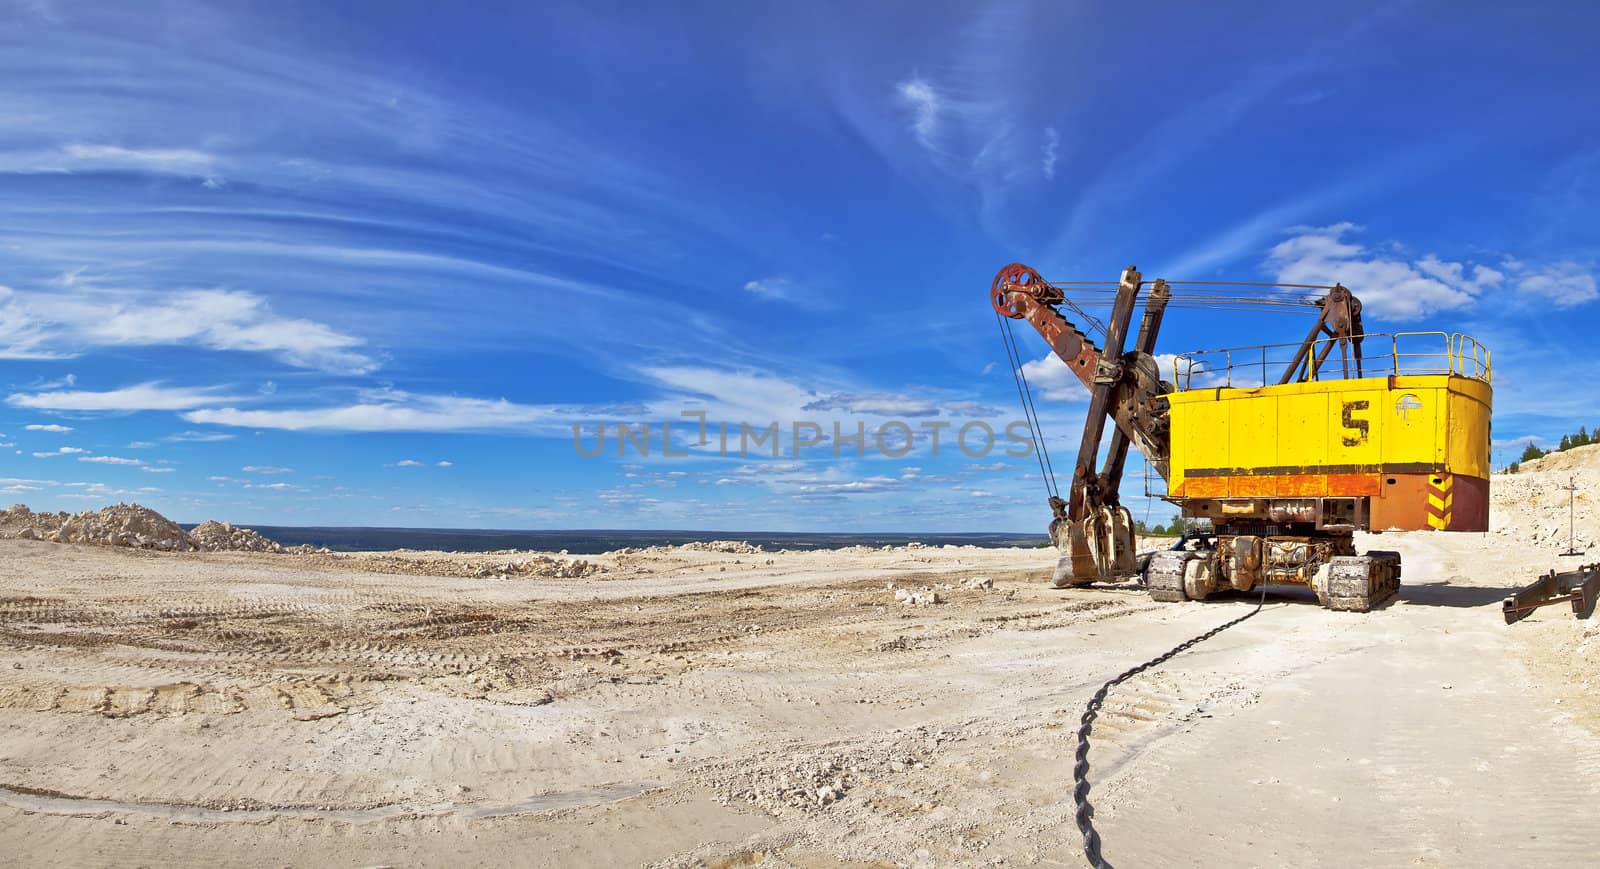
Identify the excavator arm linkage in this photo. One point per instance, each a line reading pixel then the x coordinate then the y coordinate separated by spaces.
pixel 1091 527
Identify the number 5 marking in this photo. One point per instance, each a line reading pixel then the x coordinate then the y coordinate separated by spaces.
pixel 1359 426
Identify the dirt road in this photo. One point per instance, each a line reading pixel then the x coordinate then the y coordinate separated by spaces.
pixel 688 708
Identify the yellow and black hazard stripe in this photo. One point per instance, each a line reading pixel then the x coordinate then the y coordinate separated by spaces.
pixel 1439 501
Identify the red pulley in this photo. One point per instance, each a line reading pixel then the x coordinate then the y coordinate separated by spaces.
pixel 1020 276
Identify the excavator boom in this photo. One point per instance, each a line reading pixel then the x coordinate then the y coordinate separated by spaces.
pixel 1091 526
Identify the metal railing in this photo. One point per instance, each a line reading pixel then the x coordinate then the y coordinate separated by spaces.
pixel 1383 354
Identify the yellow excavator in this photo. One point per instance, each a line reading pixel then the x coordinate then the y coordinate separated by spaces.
pixel 1286 450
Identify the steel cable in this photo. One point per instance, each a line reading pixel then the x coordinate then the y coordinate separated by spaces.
pixel 1080 768
pixel 1025 394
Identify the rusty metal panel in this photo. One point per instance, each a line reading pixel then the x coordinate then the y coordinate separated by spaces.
pixel 1470 507
pixel 1402 505
pixel 1252 487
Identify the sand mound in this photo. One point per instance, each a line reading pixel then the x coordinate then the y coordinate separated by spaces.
pixel 1584 458
pixel 120 525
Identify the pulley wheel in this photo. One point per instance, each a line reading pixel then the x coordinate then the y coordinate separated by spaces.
pixel 1017 274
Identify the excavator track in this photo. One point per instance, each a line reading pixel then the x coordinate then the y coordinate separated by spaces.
pixel 1165 576
pixel 1358 583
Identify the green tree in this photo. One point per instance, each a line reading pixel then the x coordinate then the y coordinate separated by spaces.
pixel 1531 453
pixel 1514 467
pixel 1566 444
pixel 1582 440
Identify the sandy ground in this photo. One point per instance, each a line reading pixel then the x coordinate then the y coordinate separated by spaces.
pixel 725 709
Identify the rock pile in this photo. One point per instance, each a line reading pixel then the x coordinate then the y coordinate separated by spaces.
pixel 924 596
pixel 130 525
pixel 120 525
pixel 732 547
pixel 1531 506
pixel 538 565
pixel 811 781
pixel 214 536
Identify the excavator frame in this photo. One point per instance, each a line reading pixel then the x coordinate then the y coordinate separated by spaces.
pixel 1270 524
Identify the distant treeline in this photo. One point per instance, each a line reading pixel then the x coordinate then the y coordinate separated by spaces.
pixel 1176 529
pixel 1568 441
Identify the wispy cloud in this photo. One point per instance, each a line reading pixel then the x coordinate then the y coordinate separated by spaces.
pixel 1052 144
pixel 1563 284
pixel 200 437
pixel 59 324
pixel 145 396
pixel 770 288
pixel 100 157
pixel 394 410
pixel 50 427
pixel 266 469
pixel 925 106
pixel 63 451
pixel 110 460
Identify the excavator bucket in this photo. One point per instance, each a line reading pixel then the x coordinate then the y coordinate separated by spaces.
pixel 1100 546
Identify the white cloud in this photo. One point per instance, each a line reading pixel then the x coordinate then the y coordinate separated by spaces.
pixel 266 469
pixel 444 464
pixel 865 485
pixel 1388 288
pixel 408 463
pixel 1396 289
pixel 58 324
pixel 110 460
pixel 926 107
pixel 141 445
pixel 179 160
pixel 1050 378
pixel 394 410
pixel 1052 145
pixel 145 396
pixel 893 406
pixel 52 427
pixel 199 436
pixel 64 451
pixel 777 289
pixel 1563 284
pixel 149 470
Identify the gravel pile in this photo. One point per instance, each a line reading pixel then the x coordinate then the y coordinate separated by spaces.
pixel 121 525
pixel 810 781
pixel 1532 506
pixel 538 565
pixel 214 536
pixel 133 526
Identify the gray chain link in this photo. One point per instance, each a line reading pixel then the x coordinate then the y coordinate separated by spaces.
pixel 1080 769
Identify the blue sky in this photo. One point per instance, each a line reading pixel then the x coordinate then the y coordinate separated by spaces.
pixel 291 264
